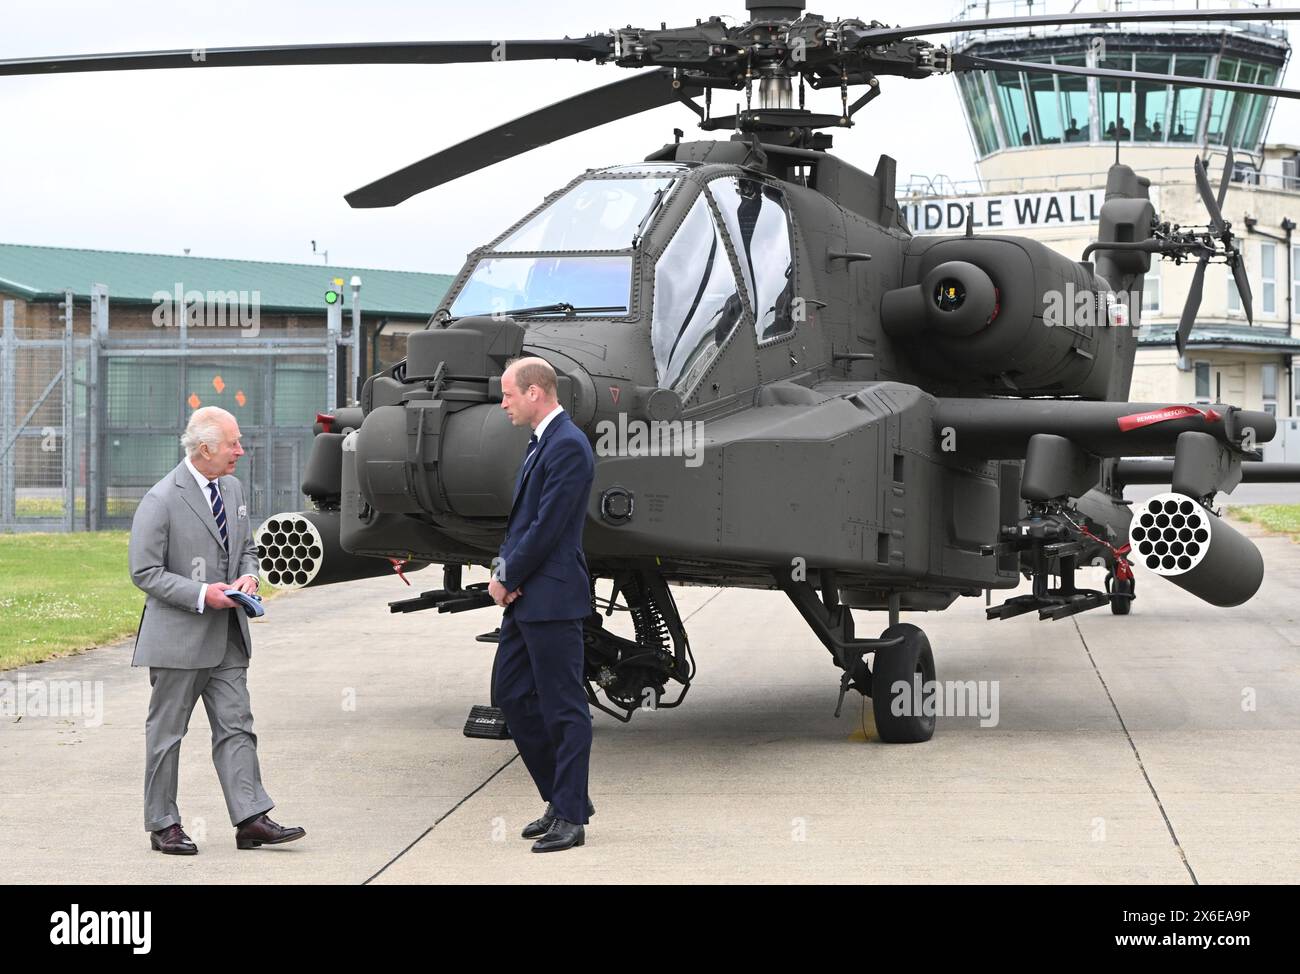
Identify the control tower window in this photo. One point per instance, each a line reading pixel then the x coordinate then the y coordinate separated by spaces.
pixel 1074 100
pixel 696 301
pixel 1116 100
pixel 1224 105
pixel 1013 107
pixel 977 111
pixel 1256 109
pixel 1185 102
pixel 1151 101
pixel 1046 112
pixel 755 218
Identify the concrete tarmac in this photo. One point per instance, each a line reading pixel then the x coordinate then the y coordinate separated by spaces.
pixel 1161 747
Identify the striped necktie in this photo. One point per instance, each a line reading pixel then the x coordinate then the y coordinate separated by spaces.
pixel 219 512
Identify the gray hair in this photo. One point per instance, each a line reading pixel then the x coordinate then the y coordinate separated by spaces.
pixel 204 427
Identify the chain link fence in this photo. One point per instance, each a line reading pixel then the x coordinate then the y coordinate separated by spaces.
pixel 89 423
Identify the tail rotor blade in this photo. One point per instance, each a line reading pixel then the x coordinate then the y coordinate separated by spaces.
pixel 1227 178
pixel 1192 306
pixel 1243 286
pixel 1207 197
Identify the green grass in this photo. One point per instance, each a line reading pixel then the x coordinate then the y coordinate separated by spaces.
pixel 1279 518
pixel 63 593
pixel 53 507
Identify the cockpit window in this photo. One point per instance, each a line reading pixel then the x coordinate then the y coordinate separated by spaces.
pixel 574 285
pixel 696 301
pixel 647 167
pixel 755 217
pixel 596 214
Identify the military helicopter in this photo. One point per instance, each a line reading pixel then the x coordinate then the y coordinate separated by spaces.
pixel 786 388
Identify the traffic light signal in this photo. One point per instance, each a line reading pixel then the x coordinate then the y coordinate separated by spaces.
pixel 334 295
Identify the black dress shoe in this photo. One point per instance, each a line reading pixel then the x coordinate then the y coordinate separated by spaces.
pixel 538 827
pixel 262 831
pixel 173 841
pixel 563 835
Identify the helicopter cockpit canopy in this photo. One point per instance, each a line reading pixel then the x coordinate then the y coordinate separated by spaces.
pixel 574 256
pixel 697 298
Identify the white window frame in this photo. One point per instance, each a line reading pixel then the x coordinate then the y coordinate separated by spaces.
pixel 1151 290
pixel 1268 278
pixel 1209 375
pixel 1269 402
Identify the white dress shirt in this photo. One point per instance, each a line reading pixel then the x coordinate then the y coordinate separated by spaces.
pixel 541 427
pixel 203 482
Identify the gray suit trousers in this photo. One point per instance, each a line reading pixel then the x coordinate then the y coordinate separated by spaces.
pixel 224 689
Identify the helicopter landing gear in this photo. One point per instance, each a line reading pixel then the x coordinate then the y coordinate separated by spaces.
pixel 902 653
pixel 903 677
pixel 633 673
pixel 1121 594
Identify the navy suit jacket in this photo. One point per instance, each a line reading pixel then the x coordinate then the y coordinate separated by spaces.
pixel 542 551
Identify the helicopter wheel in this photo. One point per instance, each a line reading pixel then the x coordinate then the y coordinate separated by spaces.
pixel 1121 594
pixel 897 664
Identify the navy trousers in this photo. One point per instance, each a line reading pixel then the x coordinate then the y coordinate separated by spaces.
pixel 539 688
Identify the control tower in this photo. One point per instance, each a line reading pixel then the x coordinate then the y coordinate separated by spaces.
pixel 1021 122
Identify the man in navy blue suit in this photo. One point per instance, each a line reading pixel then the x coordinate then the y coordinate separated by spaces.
pixel 541 580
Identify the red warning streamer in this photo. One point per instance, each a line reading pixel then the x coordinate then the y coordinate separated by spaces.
pixel 1138 420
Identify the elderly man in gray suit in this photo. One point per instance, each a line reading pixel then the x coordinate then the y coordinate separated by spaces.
pixel 191 539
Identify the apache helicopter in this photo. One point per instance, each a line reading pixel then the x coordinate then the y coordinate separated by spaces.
pixel 859 417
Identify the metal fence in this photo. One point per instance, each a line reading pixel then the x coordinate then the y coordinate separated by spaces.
pixel 89 424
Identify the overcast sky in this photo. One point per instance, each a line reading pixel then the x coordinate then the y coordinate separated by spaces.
pixel 253 162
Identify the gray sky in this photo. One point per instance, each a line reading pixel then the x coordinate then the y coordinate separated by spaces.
pixel 253 162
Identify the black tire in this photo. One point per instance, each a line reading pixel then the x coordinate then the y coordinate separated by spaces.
pixel 1121 595
pixel 900 664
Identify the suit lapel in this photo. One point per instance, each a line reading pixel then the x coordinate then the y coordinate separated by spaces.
pixel 531 463
pixel 193 495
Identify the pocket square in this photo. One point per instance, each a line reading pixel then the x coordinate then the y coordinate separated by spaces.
pixel 243 511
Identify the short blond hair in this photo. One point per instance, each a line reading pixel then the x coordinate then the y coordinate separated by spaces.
pixel 533 371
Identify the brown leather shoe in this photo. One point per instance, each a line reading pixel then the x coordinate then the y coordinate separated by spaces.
pixel 173 841
pixel 262 831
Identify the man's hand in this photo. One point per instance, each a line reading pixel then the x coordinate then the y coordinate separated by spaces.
pixel 246 584
pixel 215 596
pixel 499 594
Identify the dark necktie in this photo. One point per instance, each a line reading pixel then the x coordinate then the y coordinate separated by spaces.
pixel 523 467
pixel 219 512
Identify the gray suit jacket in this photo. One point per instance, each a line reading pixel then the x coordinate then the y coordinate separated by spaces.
pixel 175 548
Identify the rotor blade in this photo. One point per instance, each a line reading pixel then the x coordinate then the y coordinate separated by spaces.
pixel 967 62
pixel 1224 180
pixel 639 93
pixel 1243 286
pixel 1192 306
pixel 1207 196
pixel 593 48
pixel 886 35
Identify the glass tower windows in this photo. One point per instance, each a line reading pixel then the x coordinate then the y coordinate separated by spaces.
pixel 1116 99
pixel 1046 112
pixel 1151 101
pixel 1185 102
pixel 1074 100
pixel 1007 109
pixel 977 111
pixel 1013 108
